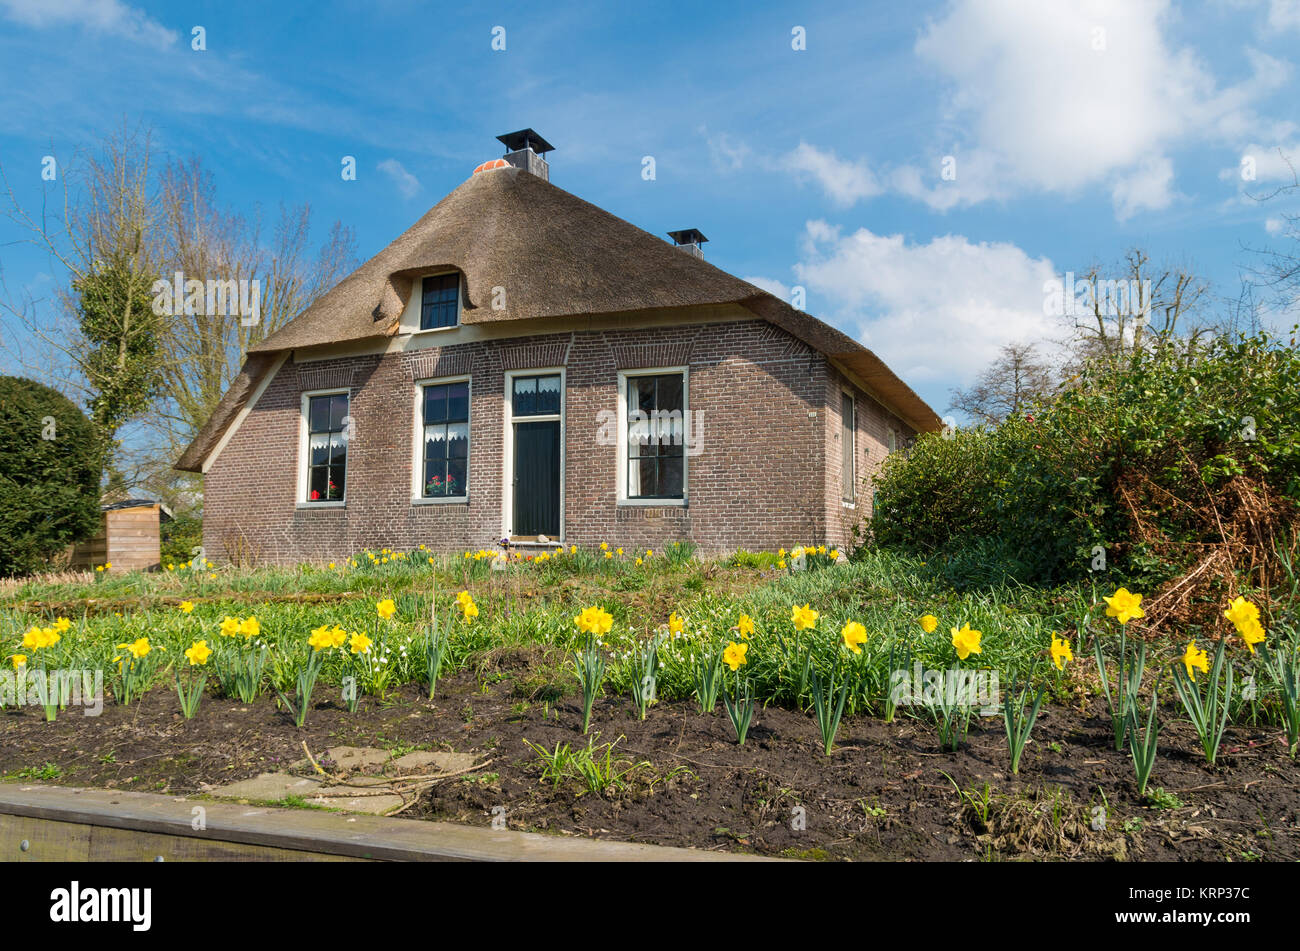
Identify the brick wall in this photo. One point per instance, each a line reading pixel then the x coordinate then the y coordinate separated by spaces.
pixel 767 475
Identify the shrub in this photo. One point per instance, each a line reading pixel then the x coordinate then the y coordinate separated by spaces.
pixel 50 467
pixel 1154 459
pixel 179 536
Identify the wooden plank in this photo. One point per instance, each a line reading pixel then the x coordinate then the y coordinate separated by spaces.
pixel 332 833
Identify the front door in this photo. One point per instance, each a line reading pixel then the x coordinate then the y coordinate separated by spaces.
pixel 535 425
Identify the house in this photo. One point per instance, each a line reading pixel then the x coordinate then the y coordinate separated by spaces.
pixel 522 364
pixel 128 538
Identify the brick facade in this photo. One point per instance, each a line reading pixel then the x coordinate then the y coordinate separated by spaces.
pixel 767 475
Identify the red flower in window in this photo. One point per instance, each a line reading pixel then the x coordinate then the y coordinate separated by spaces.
pixel 314 495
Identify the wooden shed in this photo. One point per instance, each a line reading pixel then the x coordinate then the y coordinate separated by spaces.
pixel 128 538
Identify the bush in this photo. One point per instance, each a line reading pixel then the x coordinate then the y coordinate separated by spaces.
pixel 1155 461
pixel 50 467
pixel 179 537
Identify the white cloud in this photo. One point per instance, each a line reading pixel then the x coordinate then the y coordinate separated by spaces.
pixel 936 312
pixel 845 182
pixel 1274 225
pixel 1284 15
pixel 1058 97
pixel 727 153
pixel 104 16
pixel 406 183
pixel 771 285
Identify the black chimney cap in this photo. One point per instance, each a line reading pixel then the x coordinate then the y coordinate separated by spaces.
pixel 525 139
pixel 687 236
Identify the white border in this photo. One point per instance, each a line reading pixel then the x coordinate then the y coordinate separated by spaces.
pixel 303 457
pixel 417 442
pixel 508 443
pixel 623 376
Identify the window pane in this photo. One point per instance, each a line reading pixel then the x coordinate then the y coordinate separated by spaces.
pixel 318 449
pixel 457 401
pixel 645 473
pixel 335 484
pixel 525 396
pixel 435 404
pixel 457 472
pixel 846 446
pixel 670 392
pixel 318 415
pixel 338 411
pixel 434 482
pixel 457 440
pixel 548 394
pixel 670 476
pixel 435 442
pixel 338 449
pixel 317 482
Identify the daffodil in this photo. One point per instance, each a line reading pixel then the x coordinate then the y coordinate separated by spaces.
pixel 745 626
pixel 854 634
pixel 1124 606
pixel 230 626
pixel 804 618
pixel 385 608
pixel 198 653
pixel 675 625
pixel 638 562
pixel 928 623
pixel 1061 653
pixel 359 644
pixel 966 641
pixel 18 660
pixel 1195 659
pixel 604 546
pixel 1242 614
pixel 594 620
pixel 138 648
pixel 1252 633
pixel 734 655
pixel 62 625
pixel 187 606
pixel 250 627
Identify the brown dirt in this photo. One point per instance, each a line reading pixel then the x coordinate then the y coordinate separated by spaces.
pixel 883 794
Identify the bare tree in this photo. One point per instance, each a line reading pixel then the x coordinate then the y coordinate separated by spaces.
pixel 1018 379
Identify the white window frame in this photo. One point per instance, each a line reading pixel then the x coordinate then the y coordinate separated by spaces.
pixel 508 445
pixel 623 376
pixel 417 447
pixel 852 501
pixel 418 300
pixel 304 455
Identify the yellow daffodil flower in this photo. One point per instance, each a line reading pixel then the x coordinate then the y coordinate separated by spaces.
pixel 928 623
pixel 1061 653
pixel 187 606
pixel 745 626
pixel 734 655
pixel 594 620
pixel 804 618
pixel 138 648
pixel 1195 659
pixel 675 625
pixel 966 641
pixel 1124 606
pixel 854 634
pixel 198 653
pixel 385 608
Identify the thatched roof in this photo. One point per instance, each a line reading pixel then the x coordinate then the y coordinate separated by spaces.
pixel 556 256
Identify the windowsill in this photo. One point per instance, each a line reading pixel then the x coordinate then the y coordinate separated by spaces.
pixel 416 331
pixel 848 505
pixel 442 500
pixel 308 506
pixel 531 543
pixel 655 503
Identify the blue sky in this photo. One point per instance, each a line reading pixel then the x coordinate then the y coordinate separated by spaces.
pixel 1076 129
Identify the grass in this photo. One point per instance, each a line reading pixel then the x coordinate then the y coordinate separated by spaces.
pixel 529 607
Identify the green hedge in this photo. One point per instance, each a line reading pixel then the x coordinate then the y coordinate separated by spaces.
pixel 50 467
pixel 1034 496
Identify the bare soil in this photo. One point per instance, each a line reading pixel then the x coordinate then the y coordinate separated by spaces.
pixel 886 793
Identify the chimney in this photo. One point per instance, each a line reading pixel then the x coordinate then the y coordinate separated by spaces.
pixel 689 240
pixel 524 149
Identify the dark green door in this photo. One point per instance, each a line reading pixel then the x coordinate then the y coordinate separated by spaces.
pixel 537 479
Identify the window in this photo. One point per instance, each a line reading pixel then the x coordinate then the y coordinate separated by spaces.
pixel 656 451
pixel 847 478
pixel 893 440
pixel 440 301
pixel 327 447
pixel 535 395
pixel 445 416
